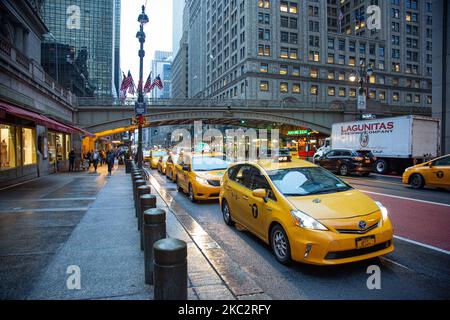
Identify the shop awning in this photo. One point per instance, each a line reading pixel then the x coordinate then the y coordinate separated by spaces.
pixel 84 132
pixel 38 118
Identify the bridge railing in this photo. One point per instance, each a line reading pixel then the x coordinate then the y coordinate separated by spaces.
pixel 202 103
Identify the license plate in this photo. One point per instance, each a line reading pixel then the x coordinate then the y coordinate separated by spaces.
pixel 365 242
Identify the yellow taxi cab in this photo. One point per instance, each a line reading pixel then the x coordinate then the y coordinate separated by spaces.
pixel 162 164
pixel 305 213
pixel 172 160
pixel 154 157
pixel 199 175
pixel 434 173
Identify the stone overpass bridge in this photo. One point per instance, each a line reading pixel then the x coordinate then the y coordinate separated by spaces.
pixel 99 115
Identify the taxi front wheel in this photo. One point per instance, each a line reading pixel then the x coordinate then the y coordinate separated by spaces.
pixel 280 245
pixel 417 181
pixel 227 214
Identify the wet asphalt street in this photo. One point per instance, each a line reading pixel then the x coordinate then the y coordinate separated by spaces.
pixel 410 272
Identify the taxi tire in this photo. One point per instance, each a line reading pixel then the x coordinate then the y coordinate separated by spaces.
pixel 277 231
pixel 228 221
pixel 191 194
pixel 417 181
pixel 179 188
pixel 343 170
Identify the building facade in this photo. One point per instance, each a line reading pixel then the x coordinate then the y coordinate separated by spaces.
pixel 162 66
pixel 180 66
pixel 36 114
pixel 307 50
pixel 92 30
pixel 177 18
pixel 441 67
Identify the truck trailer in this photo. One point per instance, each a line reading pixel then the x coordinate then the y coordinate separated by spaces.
pixel 397 142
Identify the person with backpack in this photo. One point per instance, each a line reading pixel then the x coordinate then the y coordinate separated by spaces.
pixel 95 159
pixel 110 158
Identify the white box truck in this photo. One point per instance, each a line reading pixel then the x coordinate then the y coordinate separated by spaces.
pixel 397 142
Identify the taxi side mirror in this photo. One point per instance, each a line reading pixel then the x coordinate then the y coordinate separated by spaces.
pixel 260 193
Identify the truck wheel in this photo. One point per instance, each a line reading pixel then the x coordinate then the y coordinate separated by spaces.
pixel 381 166
pixel 416 181
pixel 343 170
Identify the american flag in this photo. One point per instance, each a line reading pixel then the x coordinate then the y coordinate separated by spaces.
pixel 158 82
pixel 124 86
pixel 148 84
pixel 131 85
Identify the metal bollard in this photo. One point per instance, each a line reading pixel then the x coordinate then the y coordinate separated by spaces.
pixel 144 189
pixel 170 269
pixel 154 229
pixel 148 201
pixel 127 166
pixel 135 178
pixel 137 184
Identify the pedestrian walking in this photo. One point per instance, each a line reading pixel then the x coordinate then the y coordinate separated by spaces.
pixel 110 158
pixel 72 160
pixel 89 158
pixel 95 159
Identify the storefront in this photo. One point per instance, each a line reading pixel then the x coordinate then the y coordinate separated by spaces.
pixel 303 142
pixel 31 145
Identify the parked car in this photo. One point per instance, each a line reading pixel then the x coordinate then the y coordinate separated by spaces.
pixel 435 173
pixel 347 161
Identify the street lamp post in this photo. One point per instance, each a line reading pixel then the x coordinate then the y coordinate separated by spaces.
pixel 140 105
pixel 362 75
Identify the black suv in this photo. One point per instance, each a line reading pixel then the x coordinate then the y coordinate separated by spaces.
pixel 347 161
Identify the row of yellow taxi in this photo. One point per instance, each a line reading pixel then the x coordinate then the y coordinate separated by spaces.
pixel 302 211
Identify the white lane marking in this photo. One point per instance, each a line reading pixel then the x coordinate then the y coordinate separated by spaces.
pixel 395 263
pixel 404 198
pixel 423 245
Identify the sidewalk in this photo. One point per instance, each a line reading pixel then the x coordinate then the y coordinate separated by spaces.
pixel 105 246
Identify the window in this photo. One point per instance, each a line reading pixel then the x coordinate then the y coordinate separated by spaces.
pixel 314 73
pixel 263 50
pixel 7 147
pixel 284 87
pixel 314 56
pixel 382 95
pixel 29 146
pixel 330 58
pixel 284 52
pixel 330 75
pixel 242 176
pixel 314 90
pixel 264 68
pixel 342 92
pixel 283 69
pixel 264 86
pixel 296 71
pixel 51 143
pixel 296 88
pixel 293 53
pixel 331 91
pixel 352 93
pixel 395 96
pixel 264 4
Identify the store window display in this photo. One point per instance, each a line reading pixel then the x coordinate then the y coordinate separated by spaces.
pixel 28 146
pixel 7 146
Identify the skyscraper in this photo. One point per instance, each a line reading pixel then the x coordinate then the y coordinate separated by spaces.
pixel 162 66
pixel 177 16
pixel 307 50
pixel 92 29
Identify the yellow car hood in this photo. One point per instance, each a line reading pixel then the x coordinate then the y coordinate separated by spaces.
pixel 341 205
pixel 211 175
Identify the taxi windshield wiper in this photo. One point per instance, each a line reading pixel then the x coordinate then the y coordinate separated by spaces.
pixel 329 191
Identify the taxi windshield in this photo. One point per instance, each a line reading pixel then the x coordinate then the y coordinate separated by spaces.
pixel 209 164
pixel 306 181
pixel 158 153
pixel 164 158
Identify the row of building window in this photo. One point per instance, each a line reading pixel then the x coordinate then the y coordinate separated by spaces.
pixel 264 86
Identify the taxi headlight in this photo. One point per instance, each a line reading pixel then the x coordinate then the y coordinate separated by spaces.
pixel 383 209
pixel 201 180
pixel 305 221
